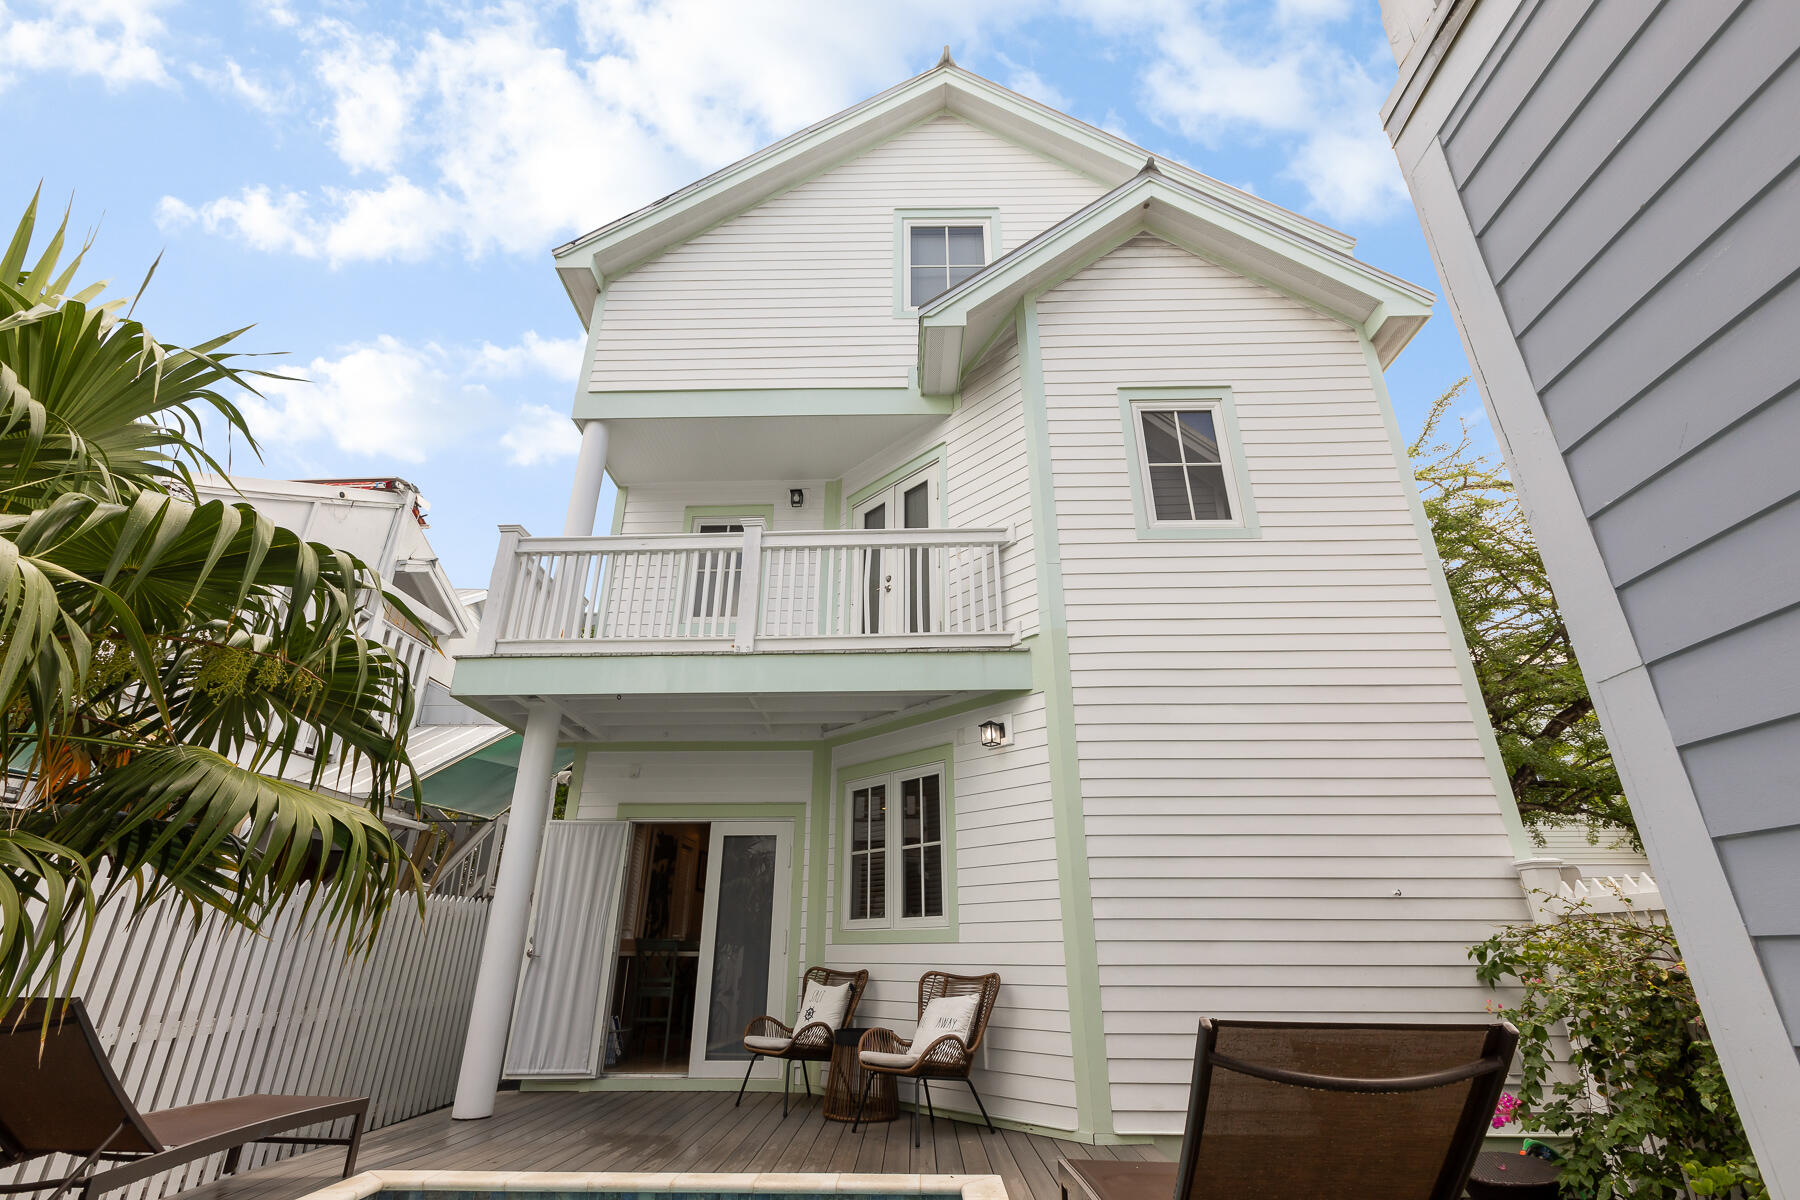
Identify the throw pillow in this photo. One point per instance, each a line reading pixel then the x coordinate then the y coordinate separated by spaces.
pixel 953 1015
pixel 823 1005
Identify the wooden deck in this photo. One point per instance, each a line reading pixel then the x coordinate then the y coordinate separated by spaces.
pixel 674 1131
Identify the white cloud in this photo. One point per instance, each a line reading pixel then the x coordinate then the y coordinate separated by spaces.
pixel 491 134
pixel 384 400
pixel 1214 80
pixel 232 80
pixel 539 435
pixel 115 40
pixel 397 401
pixel 556 357
pixel 256 215
pixel 1027 82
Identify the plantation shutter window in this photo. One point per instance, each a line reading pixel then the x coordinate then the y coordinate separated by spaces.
pixel 898 861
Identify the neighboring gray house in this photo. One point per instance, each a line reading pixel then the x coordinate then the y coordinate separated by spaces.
pixel 1608 189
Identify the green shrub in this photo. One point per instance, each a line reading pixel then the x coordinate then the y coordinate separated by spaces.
pixel 1639 1095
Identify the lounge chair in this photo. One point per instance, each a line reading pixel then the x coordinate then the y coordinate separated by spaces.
pixel 943 1052
pixel 767 1037
pixel 60 1096
pixel 1295 1111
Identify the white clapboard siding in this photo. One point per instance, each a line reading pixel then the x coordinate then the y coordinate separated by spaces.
pixel 1609 853
pixel 1288 813
pixel 194 1011
pixel 798 291
pixel 1009 916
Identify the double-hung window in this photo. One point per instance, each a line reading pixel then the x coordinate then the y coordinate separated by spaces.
pixel 896 855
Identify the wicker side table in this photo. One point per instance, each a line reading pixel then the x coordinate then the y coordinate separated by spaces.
pixel 843 1087
pixel 1513 1177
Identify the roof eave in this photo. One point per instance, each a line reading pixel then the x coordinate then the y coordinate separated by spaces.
pixel 957 326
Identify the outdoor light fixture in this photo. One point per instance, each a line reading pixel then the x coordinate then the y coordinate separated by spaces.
pixel 796 497
pixel 993 734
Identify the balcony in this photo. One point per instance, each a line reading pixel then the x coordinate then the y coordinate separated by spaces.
pixel 864 589
pixel 742 636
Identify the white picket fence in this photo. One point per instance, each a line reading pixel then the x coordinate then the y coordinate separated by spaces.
pixel 190 1013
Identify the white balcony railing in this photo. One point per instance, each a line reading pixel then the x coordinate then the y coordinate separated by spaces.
pixel 813 590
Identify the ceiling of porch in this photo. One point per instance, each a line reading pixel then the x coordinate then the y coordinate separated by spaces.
pixel 721 716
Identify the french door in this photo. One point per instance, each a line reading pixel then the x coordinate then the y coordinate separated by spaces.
pixel 743 940
pixel 895 586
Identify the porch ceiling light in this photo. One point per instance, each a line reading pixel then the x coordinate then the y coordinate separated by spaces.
pixel 796 497
pixel 993 734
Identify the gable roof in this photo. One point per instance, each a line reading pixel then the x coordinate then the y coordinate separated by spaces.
pixel 956 327
pixel 585 263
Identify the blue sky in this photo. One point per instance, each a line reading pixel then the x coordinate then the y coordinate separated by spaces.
pixel 377 186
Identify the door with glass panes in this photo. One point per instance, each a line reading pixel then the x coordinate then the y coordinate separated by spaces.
pixel 896 585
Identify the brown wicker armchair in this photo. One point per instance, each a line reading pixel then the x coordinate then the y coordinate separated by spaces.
pixel 767 1037
pixel 947 1058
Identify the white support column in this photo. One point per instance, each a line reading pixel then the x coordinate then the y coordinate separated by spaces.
pixel 590 469
pixel 509 915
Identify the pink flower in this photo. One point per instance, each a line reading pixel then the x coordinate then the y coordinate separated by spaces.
pixel 1503 1112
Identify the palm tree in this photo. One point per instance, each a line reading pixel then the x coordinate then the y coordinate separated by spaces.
pixel 161 660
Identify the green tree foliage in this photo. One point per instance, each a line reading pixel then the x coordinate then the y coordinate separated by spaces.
pixel 1637 1088
pixel 161 660
pixel 1550 738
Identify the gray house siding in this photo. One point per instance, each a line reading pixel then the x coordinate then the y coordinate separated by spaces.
pixel 1627 169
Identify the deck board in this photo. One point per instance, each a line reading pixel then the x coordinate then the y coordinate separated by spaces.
pixel 676 1131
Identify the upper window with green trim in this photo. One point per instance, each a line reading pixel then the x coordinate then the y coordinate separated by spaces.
pixel 896 855
pixel 941 254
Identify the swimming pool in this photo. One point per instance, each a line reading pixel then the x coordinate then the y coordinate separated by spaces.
pixel 622 1185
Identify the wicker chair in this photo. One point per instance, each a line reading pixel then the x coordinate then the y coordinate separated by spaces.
pixel 946 1058
pixel 809 1043
pixel 1297 1109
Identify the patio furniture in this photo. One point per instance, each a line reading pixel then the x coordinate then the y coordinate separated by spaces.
pixel 844 1086
pixel 1291 1110
pixel 61 1096
pixel 1513 1177
pixel 949 1055
pixel 811 1041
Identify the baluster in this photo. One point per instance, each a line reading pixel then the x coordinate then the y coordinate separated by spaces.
pixel 990 559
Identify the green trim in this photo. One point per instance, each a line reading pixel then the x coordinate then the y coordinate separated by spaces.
pixel 853 671
pixel 1522 847
pixel 760 402
pixel 988 216
pixel 618 521
pixel 765 811
pixel 1246 525
pixel 694 513
pixel 846 774
pixel 937 454
pixel 818 842
pixel 834 505
pixel 1093 1089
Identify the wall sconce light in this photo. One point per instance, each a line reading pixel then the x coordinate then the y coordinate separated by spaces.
pixel 993 734
pixel 796 497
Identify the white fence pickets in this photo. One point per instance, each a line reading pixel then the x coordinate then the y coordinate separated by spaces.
pixel 190 1012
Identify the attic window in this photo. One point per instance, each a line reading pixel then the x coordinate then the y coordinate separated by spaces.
pixel 940 255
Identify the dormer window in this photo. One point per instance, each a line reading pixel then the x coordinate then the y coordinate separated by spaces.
pixel 939 251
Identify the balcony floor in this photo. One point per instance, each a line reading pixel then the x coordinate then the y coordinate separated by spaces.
pixel 674 1131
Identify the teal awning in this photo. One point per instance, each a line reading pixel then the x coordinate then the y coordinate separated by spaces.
pixel 481 784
